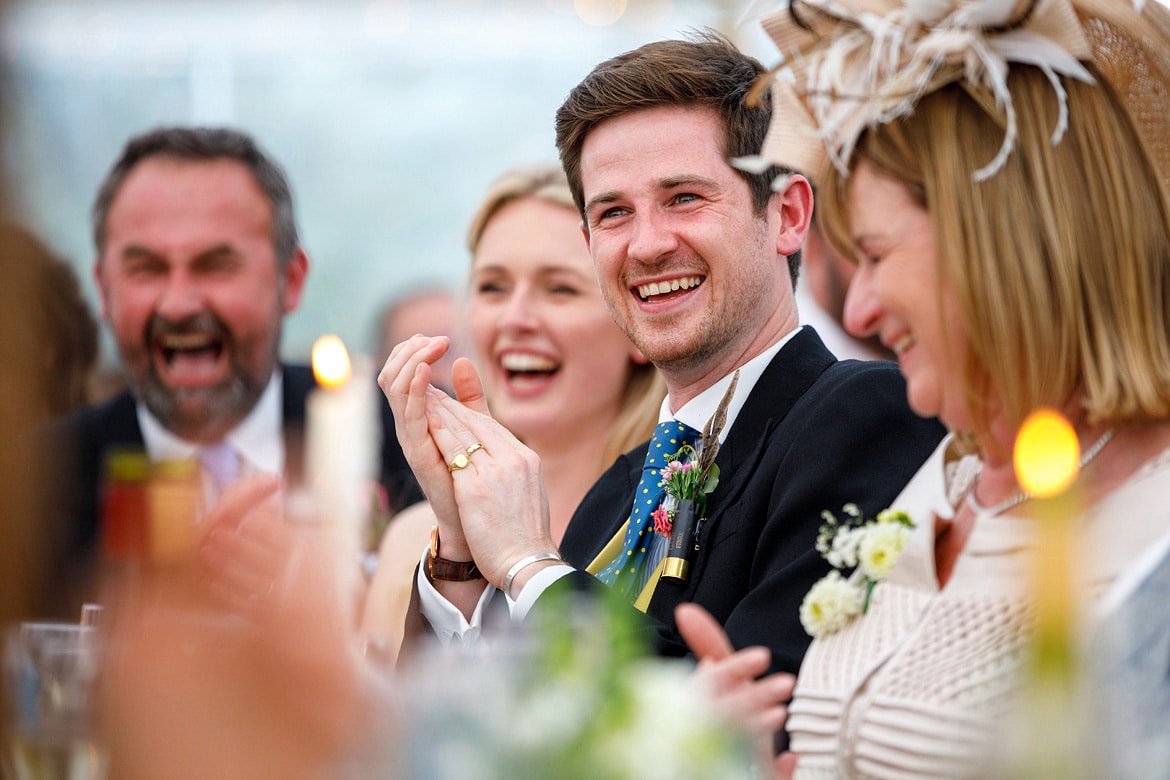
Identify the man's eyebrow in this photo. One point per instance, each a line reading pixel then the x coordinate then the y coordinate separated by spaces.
pixel 602 198
pixel 216 251
pixel 136 251
pixel 669 183
pixel 682 181
pixel 139 252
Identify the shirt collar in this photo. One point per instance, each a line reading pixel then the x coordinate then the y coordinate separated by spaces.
pixel 699 409
pixel 257 438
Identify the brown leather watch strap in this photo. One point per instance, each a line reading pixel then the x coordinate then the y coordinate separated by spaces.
pixel 444 569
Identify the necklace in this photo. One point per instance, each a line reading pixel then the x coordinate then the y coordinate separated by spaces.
pixel 1023 495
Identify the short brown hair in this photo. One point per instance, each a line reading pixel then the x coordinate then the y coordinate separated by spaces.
pixel 704 71
pixel 204 144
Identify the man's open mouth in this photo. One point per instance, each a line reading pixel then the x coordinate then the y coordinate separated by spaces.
pixel 189 347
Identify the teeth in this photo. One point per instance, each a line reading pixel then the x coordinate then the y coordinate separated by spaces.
pixel 902 344
pixel 526 361
pixel 190 341
pixel 660 288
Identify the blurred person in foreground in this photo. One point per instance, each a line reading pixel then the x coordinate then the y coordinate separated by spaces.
pixel 61 321
pixel 696 261
pixel 242 663
pixel 198 262
pixel 558 372
pixel 1011 227
pixel 50 347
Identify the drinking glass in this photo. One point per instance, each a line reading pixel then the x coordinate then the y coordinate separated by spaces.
pixel 49 671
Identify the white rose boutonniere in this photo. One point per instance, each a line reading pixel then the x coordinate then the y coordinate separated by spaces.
pixel 870 546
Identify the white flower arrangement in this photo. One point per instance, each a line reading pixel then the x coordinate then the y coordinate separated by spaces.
pixel 573 696
pixel 870 547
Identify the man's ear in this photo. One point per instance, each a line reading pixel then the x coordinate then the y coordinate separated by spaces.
pixel 794 206
pixel 293 276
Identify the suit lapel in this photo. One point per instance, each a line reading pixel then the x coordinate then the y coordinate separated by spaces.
pixel 604 509
pixel 793 370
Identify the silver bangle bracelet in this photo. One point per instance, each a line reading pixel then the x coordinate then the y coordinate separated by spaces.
pixel 527 560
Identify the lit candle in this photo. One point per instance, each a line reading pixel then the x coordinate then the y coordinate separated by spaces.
pixel 341 437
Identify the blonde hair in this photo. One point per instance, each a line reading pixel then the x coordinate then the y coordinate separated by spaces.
pixel 1060 262
pixel 645 388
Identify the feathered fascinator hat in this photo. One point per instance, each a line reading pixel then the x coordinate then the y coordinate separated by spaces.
pixel 854 64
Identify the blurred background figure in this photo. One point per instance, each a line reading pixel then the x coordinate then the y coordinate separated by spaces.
pixel 820 295
pixel 432 310
pixel 557 370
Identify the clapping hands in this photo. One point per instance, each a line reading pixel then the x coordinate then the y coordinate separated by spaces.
pixel 489 499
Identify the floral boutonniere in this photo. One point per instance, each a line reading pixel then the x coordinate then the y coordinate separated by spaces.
pixel 688 478
pixel 871 546
pixel 683 479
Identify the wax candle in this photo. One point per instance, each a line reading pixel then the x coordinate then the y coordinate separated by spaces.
pixel 341 437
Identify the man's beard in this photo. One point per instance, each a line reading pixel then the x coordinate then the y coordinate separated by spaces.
pixel 202 414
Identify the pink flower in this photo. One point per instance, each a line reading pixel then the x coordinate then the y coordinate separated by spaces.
pixel 662 521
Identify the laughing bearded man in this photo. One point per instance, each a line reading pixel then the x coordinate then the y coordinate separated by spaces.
pixel 197 264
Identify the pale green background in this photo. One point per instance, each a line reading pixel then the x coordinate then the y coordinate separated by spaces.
pixel 391 117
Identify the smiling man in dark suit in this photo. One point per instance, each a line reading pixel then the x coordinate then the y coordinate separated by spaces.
pixel 697 261
pixel 198 262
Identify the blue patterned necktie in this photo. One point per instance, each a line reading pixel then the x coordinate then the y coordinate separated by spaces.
pixel 642 548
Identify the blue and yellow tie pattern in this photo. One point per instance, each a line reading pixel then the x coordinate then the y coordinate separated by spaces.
pixel 641 547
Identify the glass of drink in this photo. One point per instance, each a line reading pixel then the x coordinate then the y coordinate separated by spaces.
pixel 49 671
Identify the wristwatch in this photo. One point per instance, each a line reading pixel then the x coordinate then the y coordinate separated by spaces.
pixel 443 569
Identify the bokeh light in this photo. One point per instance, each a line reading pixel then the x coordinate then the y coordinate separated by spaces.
pixel 330 361
pixel 1046 454
pixel 599 13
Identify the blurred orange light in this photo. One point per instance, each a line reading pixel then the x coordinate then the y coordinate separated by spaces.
pixel 330 362
pixel 1046 454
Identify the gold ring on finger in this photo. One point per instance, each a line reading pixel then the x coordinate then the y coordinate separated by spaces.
pixel 462 460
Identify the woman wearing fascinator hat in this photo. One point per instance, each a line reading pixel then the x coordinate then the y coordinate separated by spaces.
pixel 1000 171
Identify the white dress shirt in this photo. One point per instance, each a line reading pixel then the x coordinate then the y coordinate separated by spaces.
pixel 258 439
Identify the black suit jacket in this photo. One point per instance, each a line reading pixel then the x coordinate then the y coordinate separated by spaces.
pixel 814 434
pixel 80 444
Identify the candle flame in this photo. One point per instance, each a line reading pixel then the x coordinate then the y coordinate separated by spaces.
pixel 330 362
pixel 1046 454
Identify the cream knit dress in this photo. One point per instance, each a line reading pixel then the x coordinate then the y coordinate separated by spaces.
pixel 917 687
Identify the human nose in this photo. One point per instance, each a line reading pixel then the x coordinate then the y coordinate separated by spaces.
pixel 519 311
pixel 863 310
pixel 652 238
pixel 181 298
